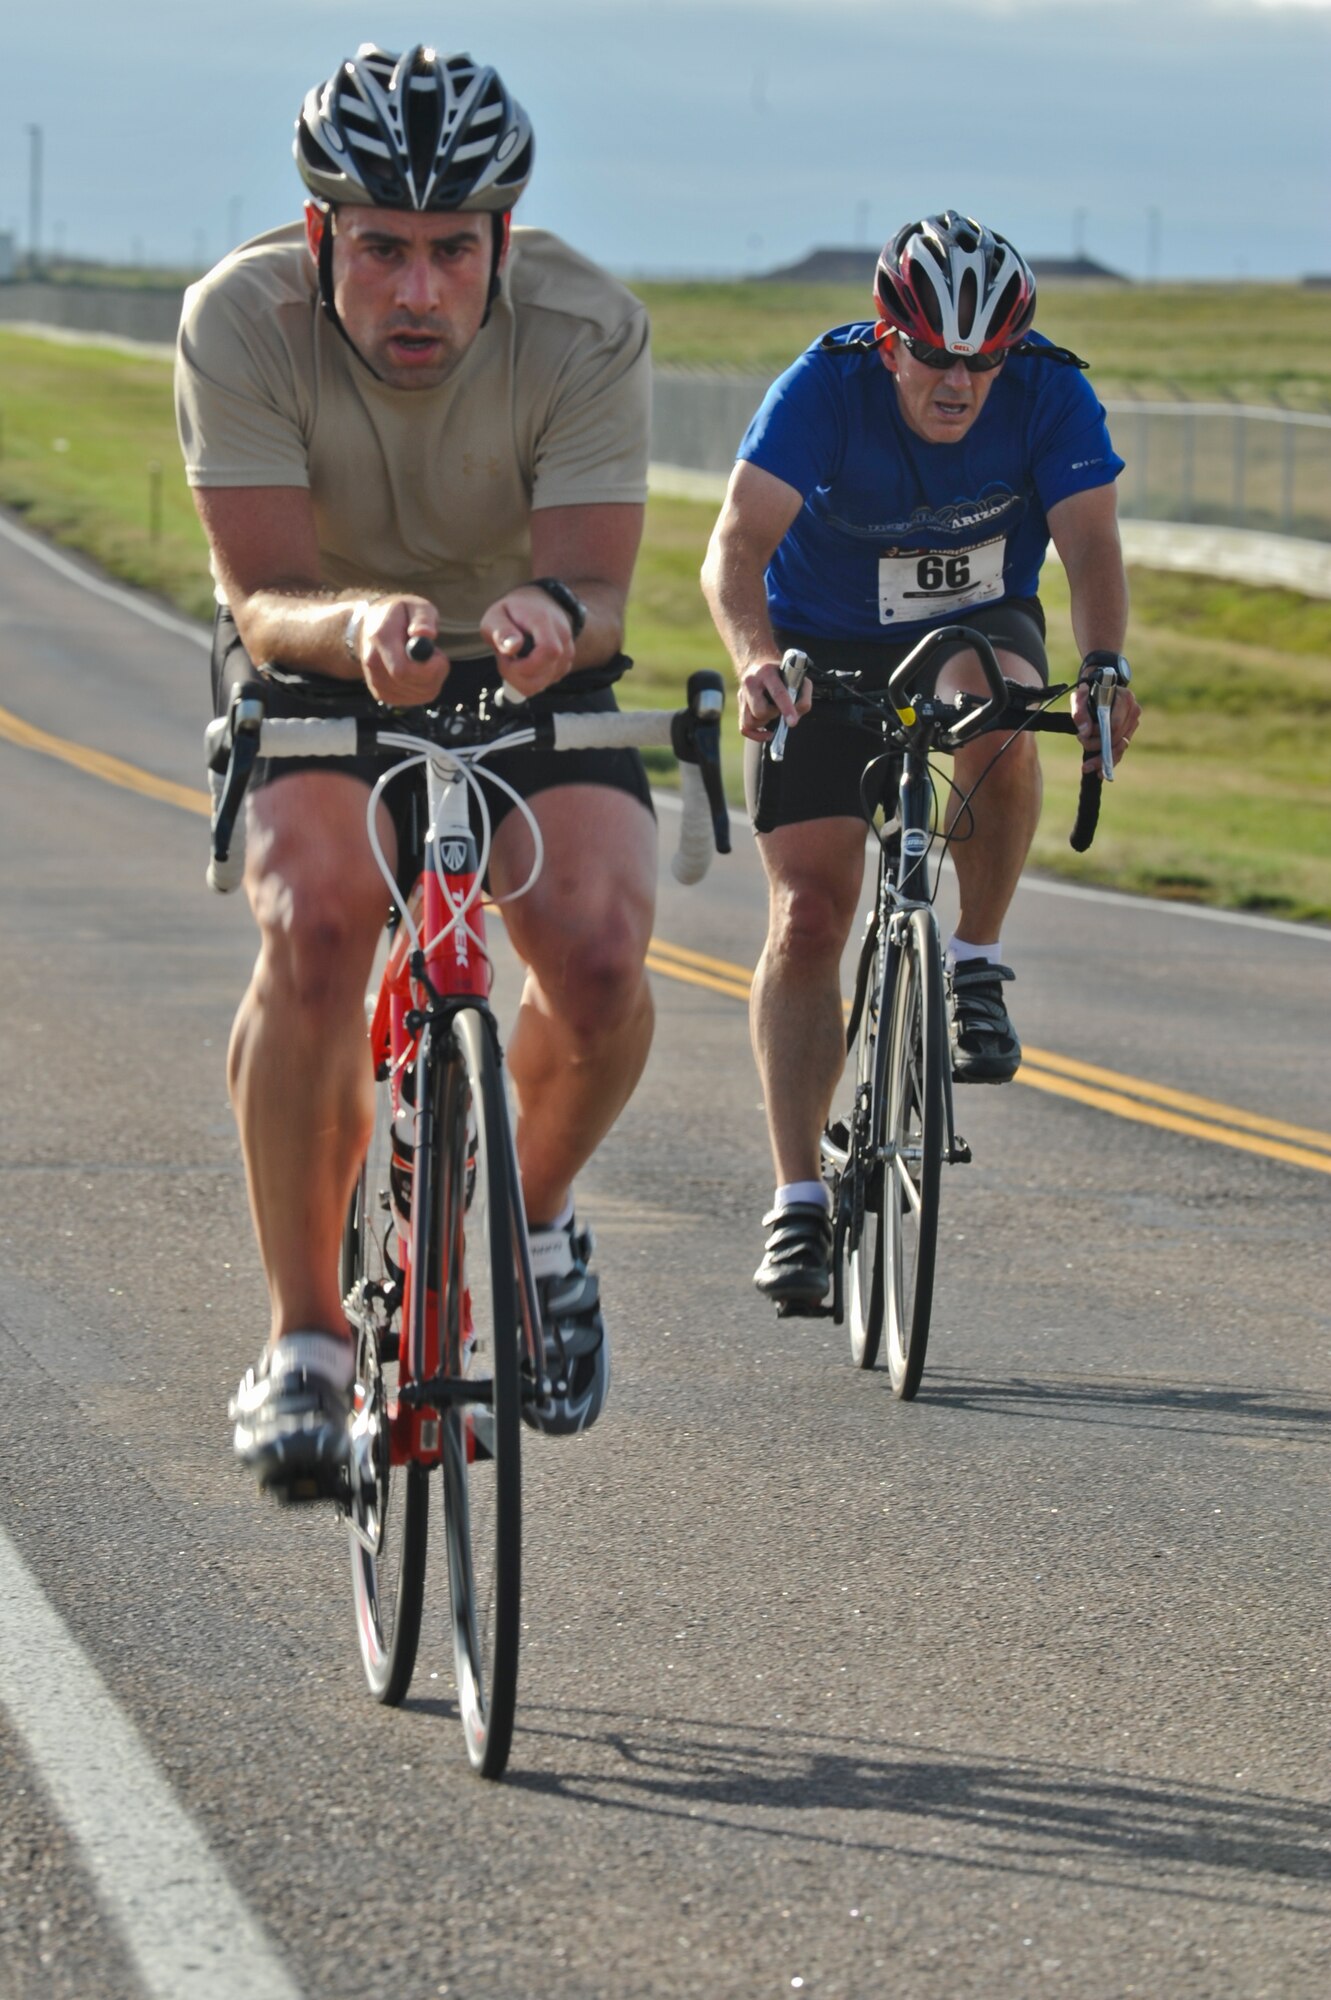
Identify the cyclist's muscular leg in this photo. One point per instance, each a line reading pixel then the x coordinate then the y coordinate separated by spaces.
pixel 299 1065
pixel 994 836
pixel 814 872
pixel 584 1026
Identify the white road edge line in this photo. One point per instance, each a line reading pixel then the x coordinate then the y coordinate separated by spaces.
pixel 185 1927
pixel 172 623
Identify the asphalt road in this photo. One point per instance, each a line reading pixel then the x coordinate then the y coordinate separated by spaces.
pixel 1019 1690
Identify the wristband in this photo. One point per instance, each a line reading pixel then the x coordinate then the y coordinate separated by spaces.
pixel 568 601
pixel 355 620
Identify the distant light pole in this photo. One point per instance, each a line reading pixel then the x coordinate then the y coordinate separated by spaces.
pixel 34 197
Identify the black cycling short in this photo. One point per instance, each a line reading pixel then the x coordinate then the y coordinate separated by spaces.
pixel 819 777
pixel 528 771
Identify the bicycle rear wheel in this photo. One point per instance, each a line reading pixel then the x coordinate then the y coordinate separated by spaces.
pixel 913 1144
pixel 486 1296
pixel 864 1184
pixel 388 1514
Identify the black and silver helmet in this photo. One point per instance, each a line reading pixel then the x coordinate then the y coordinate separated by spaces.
pixel 418 131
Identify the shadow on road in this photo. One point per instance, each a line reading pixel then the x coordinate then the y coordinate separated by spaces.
pixel 1025 1815
pixel 1222 1409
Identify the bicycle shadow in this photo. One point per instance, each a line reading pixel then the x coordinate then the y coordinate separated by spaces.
pixel 1010 1815
pixel 1226 1410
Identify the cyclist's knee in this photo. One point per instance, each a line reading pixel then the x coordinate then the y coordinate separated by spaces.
pixel 318 932
pixel 1007 764
pixel 597 985
pixel 810 921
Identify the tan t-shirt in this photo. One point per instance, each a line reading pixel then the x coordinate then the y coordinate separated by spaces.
pixel 429 491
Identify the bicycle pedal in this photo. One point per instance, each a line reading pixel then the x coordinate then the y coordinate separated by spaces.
pixel 960 1153
pixel 802 1309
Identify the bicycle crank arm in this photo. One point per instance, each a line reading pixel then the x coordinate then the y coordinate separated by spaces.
pixel 440 1392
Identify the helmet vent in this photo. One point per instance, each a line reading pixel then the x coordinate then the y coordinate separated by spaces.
pixel 967 296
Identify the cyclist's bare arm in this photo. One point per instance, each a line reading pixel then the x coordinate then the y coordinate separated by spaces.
pixel 757 511
pixel 592 549
pixel 266 551
pixel 1084 529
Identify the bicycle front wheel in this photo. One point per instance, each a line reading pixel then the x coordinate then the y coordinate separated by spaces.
pixel 912 1148
pixel 484 1295
pixel 388 1512
pixel 863 1186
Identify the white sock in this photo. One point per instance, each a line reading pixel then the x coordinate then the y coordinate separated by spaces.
pixel 958 951
pixel 809 1192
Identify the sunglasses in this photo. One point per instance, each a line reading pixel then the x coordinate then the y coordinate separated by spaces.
pixel 941 357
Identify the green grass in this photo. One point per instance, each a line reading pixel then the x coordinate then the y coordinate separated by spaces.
pixel 1163 342
pixel 1226 795
pixel 83 428
pixel 1225 798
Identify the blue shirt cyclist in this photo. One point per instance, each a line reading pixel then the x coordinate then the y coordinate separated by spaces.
pixel 903 474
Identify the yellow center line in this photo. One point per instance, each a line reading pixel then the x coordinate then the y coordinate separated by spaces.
pixel 1154 1104
pixel 1178 1100
pixel 111 770
pixel 689 976
pixel 1143 1113
pixel 1133 1098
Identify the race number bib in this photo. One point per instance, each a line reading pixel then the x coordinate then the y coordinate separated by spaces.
pixel 926 582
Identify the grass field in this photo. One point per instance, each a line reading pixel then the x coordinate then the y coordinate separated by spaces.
pixel 1199 343
pixel 1226 797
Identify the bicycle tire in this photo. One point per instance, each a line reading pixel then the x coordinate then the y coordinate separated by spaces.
pixel 486 1298
pixel 913 1142
pixel 388 1516
pixel 863 1182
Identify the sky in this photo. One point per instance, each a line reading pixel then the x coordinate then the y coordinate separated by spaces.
pixel 1168 138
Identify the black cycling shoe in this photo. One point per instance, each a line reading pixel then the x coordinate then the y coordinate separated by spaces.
pixel 797 1262
pixel 985 1048
pixel 577 1355
pixel 292 1414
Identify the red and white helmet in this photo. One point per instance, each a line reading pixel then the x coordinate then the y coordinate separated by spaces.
pixel 954 284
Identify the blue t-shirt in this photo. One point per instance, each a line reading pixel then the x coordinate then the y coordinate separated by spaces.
pixel 896 534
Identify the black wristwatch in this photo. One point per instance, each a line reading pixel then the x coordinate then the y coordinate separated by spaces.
pixel 1098 657
pixel 567 600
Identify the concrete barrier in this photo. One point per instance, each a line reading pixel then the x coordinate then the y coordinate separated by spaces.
pixel 131 313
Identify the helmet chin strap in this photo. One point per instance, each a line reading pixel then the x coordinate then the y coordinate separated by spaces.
pixel 325 269
pixel 502 223
pixel 324 266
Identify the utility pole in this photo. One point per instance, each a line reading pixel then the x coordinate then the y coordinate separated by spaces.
pixel 34 199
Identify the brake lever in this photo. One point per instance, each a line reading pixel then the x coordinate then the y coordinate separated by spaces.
pixel 794 666
pixel 1105 690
